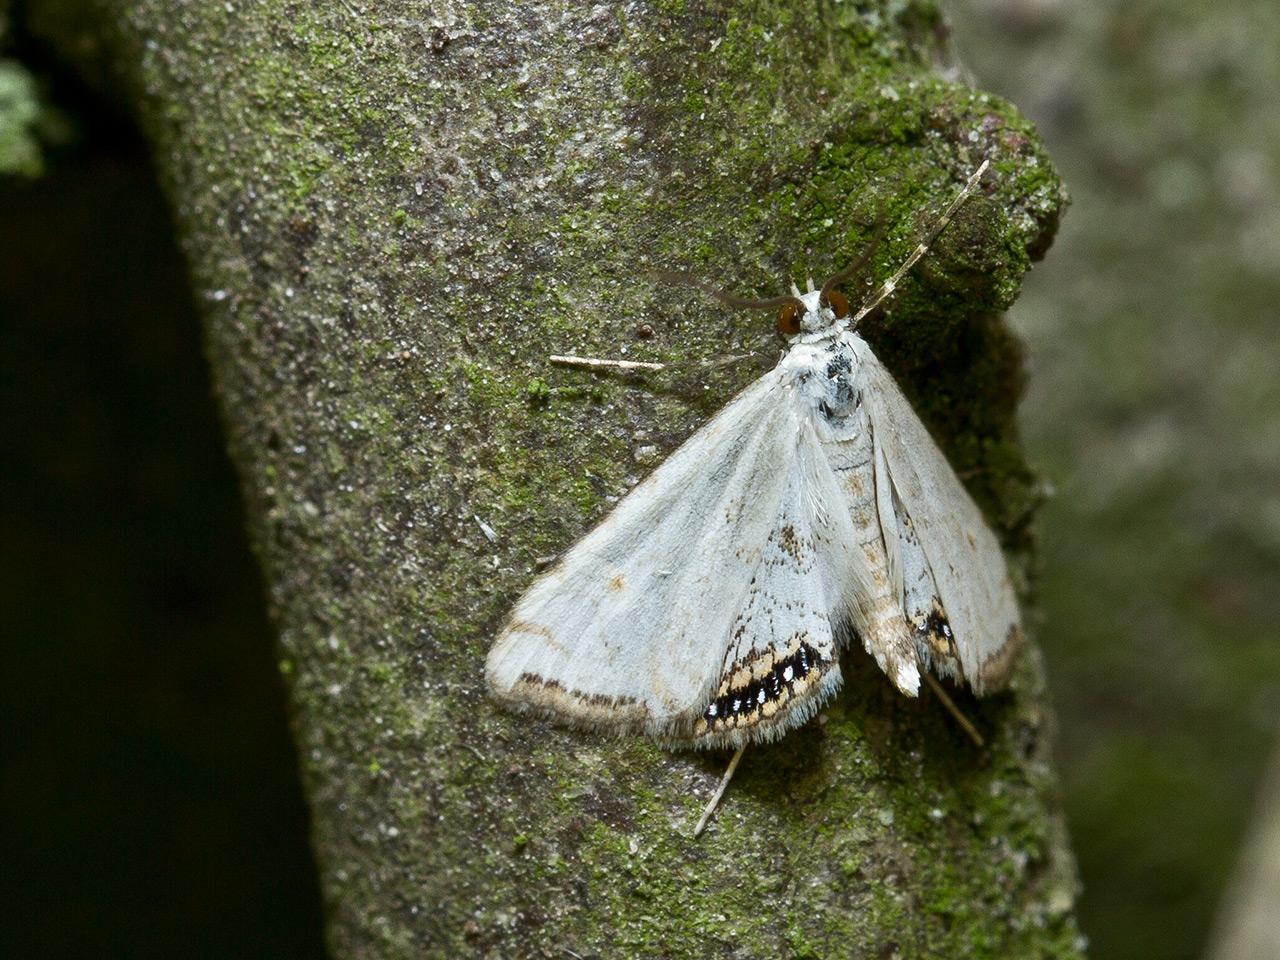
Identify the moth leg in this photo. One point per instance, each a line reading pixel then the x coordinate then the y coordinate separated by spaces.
pixel 628 366
pixel 594 363
pixel 965 723
pixel 724 782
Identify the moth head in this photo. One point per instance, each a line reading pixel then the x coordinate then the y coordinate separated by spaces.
pixel 814 312
pixel 811 312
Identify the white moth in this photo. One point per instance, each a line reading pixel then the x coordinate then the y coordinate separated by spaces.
pixel 709 609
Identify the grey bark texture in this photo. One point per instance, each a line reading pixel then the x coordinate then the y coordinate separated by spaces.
pixel 394 213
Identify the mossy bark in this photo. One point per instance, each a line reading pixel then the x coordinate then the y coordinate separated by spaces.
pixel 394 212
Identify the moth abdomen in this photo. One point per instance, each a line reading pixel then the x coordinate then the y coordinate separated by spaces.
pixel 936 644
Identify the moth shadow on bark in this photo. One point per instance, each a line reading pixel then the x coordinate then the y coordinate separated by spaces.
pixel 870 737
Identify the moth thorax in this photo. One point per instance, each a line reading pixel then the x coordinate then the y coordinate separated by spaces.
pixel 839 392
pixel 841 401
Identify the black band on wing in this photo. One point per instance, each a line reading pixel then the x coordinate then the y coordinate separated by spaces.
pixel 761 687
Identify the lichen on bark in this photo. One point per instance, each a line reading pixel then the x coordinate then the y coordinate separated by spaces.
pixel 394 213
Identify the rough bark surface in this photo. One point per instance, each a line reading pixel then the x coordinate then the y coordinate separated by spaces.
pixel 394 212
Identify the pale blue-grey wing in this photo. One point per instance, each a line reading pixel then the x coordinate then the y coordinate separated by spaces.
pixel 628 631
pixel 782 662
pixel 953 573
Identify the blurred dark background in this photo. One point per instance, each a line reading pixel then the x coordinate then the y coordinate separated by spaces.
pixel 1154 408
pixel 148 787
pixel 148 783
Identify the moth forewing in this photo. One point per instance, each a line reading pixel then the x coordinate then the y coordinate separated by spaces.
pixel 629 630
pixel 782 662
pixel 963 555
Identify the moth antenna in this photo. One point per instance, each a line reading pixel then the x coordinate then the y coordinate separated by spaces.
pixel 854 268
pixel 680 277
pixel 808 279
pixel 921 248
pixel 795 291
pixel 715 799
pixel 965 723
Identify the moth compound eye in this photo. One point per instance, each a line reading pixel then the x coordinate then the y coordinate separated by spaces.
pixel 838 304
pixel 789 319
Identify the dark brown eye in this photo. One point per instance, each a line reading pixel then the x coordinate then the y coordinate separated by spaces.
pixel 789 319
pixel 837 302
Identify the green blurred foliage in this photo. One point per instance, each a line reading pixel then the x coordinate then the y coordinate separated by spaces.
pixel 19 112
pixel 28 122
pixel 1154 409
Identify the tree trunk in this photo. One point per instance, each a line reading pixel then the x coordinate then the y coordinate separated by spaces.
pixel 394 212
pixel 1247 927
